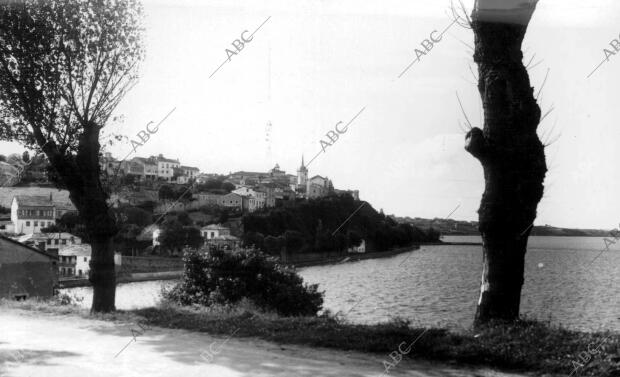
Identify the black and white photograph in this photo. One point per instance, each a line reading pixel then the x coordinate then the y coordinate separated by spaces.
pixel 330 188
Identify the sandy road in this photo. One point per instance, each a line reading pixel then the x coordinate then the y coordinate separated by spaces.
pixel 38 344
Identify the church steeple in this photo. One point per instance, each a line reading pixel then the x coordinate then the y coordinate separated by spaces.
pixel 302 174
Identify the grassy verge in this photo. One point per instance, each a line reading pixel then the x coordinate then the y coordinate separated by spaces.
pixel 526 346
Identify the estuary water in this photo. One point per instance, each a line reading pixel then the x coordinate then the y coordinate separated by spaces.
pixel 572 281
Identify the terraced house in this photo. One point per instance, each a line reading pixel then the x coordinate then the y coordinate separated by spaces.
pixel 165 167
pixel 31 213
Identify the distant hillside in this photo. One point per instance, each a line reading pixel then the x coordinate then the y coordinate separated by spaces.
pixel 449 227
pixel 331 223
pixel 7 193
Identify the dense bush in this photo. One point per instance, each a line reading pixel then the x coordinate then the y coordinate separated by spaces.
pixel 220 277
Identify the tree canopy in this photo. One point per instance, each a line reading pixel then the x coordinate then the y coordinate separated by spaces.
pixel 64 67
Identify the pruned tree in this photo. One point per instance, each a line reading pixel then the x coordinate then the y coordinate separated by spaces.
pixel 509 150
pixel 64 67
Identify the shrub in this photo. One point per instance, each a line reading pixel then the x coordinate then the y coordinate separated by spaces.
pixel 224 277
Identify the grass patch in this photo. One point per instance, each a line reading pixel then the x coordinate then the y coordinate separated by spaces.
pixel 523 346
pixel 527 346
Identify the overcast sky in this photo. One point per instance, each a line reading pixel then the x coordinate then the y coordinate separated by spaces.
pixel 316 63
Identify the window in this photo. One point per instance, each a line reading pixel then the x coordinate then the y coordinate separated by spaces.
pixel 64 242
pixel 27 223
pixel 49 242
pixel 36 223
pixel 55 242
pixel 85 259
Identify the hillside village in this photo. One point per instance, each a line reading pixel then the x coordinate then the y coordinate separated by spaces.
pixel 161 206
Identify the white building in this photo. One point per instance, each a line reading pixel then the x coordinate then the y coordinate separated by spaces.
pixel 244 191
pixel 165 167
pixel 252 200
pixel 213 231
pixel 80 256
pixel 189 172
pixel 30 213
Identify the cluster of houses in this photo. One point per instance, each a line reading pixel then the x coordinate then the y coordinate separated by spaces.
pixel 255 190
pixel 153 168
pixel 32 261
pixel 30 214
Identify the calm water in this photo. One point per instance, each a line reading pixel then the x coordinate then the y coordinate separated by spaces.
pixel 439 285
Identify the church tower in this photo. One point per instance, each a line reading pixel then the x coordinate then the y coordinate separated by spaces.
pixel 302 174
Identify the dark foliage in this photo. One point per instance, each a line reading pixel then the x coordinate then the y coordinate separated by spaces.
pixel 321 225
pixel 215 186
pixel 184 219
pixel 176 236
pixel 220 277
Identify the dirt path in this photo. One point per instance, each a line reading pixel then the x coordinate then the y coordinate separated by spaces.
pixel 38 344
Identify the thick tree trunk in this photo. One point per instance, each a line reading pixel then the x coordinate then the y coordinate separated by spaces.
pixel 80 174
pixel 510 152
pixel 102 275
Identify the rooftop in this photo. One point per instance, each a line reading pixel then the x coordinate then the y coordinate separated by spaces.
pixel 225 238
pixel 214 227
pixel 161 158
pixel 34 201
pixel 190 168
pixel 250 173
pixel 145 160
pixel 12 251
pixel 45 236
pixel 81 250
